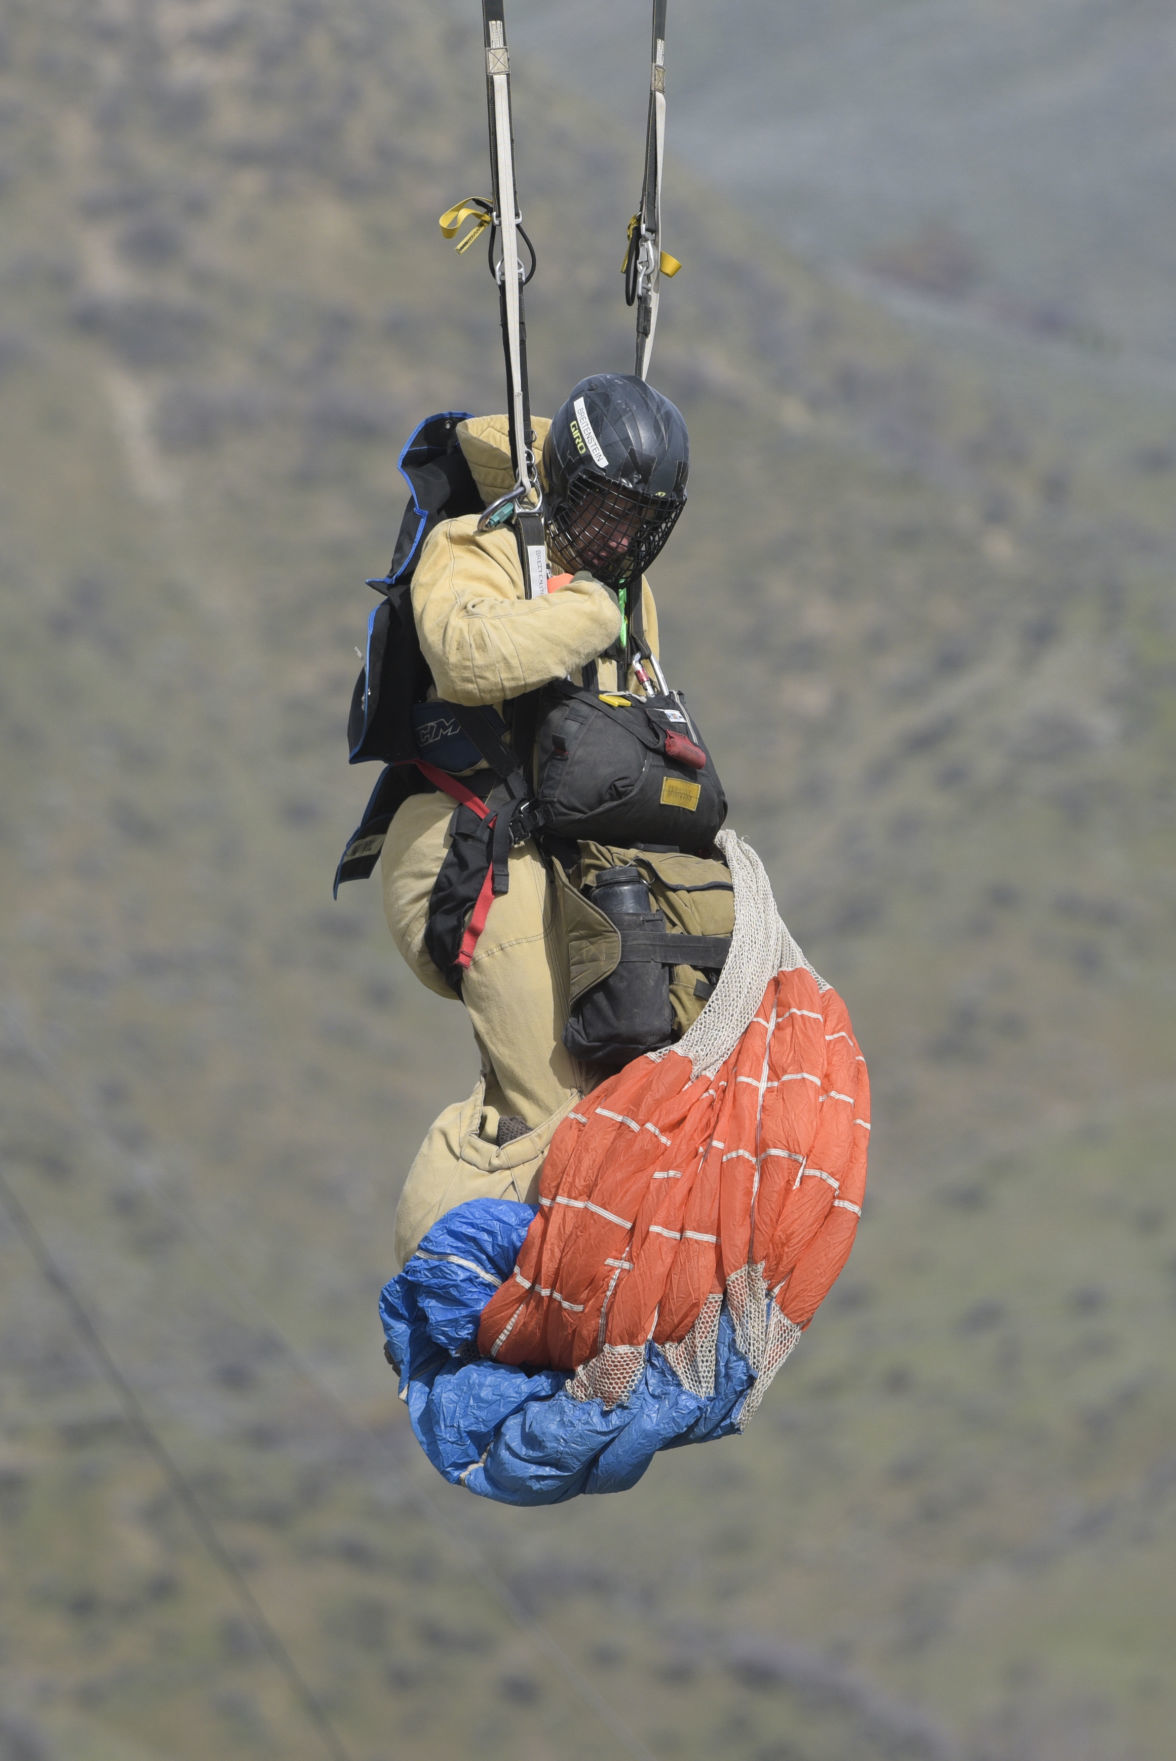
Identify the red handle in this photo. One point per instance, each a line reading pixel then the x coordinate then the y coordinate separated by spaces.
pixel 685 751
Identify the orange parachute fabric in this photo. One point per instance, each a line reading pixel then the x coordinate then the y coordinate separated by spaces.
pixel 676 1189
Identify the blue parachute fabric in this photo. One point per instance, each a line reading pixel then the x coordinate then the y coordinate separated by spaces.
pixel 517 1435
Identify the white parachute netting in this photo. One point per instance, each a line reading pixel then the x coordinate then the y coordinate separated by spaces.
pixel 764 1334
pixel 747 1299
pixel 611 1376
pixel 761 946
pixel 780 1336
pixel 693 1359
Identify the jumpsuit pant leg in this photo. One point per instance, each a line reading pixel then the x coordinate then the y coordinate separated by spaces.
pixel 515 993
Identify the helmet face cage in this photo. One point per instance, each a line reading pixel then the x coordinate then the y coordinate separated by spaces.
pixel 610 530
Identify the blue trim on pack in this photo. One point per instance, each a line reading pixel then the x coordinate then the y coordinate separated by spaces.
pixel 410 562
pixel 367 678
pixel 517 1435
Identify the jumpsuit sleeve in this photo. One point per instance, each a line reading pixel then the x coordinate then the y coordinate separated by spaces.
pixel 484 642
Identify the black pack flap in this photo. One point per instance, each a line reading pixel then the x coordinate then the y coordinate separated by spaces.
pixel 394 674
pixel 362 850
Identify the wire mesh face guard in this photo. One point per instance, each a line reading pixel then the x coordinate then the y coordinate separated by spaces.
pixel 611 531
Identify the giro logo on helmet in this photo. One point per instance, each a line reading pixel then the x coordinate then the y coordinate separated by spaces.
pixel 589 433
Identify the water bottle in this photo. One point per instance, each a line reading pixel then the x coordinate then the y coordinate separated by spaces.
pixel 628 1012
pixel 621 892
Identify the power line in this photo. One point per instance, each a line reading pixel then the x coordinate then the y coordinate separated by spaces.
pixel 132 1406
pixel 474 1561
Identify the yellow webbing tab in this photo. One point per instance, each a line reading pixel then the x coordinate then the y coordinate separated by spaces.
pixel 453 219
pixel 669 265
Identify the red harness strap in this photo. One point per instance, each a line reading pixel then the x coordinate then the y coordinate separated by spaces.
pixel 477 922
pixel 466 797
pixel 452 786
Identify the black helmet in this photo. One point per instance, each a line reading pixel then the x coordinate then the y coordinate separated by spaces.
pixel 615 460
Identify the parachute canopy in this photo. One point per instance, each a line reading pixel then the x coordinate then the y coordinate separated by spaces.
pixel 694 1211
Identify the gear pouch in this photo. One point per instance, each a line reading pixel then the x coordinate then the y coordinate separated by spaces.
pixel 624 770
pixel 646 933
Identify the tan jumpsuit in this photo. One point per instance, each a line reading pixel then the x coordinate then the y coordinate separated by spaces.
pixel 485 643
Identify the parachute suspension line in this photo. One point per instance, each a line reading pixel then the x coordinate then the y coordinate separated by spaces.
pixel 524 503
pixel 645 264
pixel 645 261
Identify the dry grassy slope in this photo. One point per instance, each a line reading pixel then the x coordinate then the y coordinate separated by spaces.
pixel 923 606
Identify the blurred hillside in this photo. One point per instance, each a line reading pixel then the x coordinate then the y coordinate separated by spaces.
pixel 1010 165
pixel 922 602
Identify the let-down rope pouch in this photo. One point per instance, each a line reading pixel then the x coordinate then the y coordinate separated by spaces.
pixel 646 933
pixel 623 769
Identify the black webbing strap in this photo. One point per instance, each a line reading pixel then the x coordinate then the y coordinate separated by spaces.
pixel 508 271
pixel 532 542
pixel 523 503
pixel 395 784
pixel 669 949
pixel 486 728
pixel 507 798
pixel 644 263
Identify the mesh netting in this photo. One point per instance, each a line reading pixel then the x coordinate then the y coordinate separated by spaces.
pixel 611 1376
pixel 761 946
pixel 747 1301
pixel 764 1334
pixel 611 531
pixel 780 1336
pixel 693 1359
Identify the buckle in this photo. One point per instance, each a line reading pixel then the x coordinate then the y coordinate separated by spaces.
pixel 526 820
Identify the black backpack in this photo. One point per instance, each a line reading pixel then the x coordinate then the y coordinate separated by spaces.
pixel 395 675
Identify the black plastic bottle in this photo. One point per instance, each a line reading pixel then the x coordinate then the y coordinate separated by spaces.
pixel 628 1012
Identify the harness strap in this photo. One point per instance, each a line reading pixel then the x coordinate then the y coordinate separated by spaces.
pixel 645 262
pixel 485 727
pixel 509 273
pixel 475 850
pixel 669 949
pixel 454 787
pixel 477 922
pixel 523 505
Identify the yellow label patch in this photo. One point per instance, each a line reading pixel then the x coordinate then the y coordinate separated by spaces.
pixel 677 792
pixel 616 702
